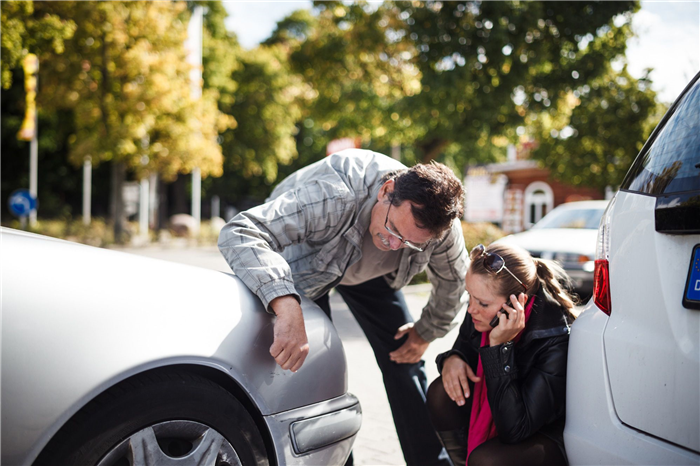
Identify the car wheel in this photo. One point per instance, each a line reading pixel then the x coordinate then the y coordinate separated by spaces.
pixel 160 419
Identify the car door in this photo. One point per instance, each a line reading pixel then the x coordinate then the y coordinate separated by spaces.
pixel 652 340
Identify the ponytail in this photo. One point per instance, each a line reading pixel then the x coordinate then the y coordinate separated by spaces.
pixel 556 283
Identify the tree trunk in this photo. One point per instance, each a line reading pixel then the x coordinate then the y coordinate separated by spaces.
pixel 179 193
pixel 116 207
pixel 162 204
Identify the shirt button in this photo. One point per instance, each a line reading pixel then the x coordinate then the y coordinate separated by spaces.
pixel 504 350
pixel 506 369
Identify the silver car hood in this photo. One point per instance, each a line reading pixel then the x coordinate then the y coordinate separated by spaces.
pixel 78 319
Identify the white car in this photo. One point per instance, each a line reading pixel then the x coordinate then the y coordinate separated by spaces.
pixel 567 235
pixel 111 359
pixel 633 387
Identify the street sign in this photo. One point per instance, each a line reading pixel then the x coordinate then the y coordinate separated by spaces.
pixel 22 203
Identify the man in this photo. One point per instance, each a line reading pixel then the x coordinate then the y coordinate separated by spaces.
pixel 362 223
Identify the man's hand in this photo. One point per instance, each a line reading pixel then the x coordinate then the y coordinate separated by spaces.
pixel 412 349
pixel 290 346
pixel 455 373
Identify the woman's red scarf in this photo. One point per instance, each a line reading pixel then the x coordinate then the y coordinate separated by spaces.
pixel 481 426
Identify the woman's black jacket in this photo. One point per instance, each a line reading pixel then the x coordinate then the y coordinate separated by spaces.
pixel 525 381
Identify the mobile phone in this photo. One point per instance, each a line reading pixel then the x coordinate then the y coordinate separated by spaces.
pixel 494 322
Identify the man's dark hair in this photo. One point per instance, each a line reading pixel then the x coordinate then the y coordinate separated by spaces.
pixel 436 194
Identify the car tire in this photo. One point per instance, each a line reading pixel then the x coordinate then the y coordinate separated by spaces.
pixel 156 418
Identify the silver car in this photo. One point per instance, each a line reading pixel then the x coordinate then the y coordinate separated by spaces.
pixel 110 359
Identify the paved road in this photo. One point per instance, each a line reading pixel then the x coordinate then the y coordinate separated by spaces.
pixel 376 442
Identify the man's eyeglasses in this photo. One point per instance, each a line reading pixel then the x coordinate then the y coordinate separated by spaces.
pixel 396 235
pixel 492 262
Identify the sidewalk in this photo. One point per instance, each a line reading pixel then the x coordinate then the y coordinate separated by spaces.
pixel 377 443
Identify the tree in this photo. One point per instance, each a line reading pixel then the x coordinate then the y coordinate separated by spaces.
pixel 25 30
pixel 266 107
pixel 485 65
pixel 598 130
pixel 356 71
pixel 126 78
pixel 447 80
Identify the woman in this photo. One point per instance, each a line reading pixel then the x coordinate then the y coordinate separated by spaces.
pixel 501 396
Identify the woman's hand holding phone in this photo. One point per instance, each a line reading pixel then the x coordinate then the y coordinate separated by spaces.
pixel 455 376
pixel 511 320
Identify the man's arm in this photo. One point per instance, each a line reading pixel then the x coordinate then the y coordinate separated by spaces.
pixel 252 243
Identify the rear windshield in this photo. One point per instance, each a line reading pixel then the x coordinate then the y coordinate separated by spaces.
pixel 572 218
pixel 672 163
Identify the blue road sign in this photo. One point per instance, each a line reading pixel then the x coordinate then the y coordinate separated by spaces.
pixel 22 203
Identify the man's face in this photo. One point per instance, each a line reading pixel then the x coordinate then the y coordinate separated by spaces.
pixel 400 220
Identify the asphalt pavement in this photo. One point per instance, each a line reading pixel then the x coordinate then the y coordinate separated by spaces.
pixel 376 443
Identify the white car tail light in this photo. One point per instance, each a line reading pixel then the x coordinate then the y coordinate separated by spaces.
pixel 601 273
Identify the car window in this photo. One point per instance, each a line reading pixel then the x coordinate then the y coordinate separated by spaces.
pixel 571 218
pixel 672 163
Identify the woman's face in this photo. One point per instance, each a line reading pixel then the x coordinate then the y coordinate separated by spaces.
pixel 484 303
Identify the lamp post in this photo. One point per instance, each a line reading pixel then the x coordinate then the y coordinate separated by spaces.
pixel 194 57
pixel 87 189
pixel 29 129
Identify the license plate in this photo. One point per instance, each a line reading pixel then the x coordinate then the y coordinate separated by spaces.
pixel 691 296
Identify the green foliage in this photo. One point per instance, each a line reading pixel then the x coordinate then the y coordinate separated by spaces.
pixel 266 107
pixel 125 76
pixel 459 81
pixel 117 74
pixel 480 233
pixel 25 30
pixel 451 81
pixel 220 53
pixel 598 131
pixel 356 73
pixel 476 58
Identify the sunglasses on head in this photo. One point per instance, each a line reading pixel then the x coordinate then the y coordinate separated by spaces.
pixel 492 262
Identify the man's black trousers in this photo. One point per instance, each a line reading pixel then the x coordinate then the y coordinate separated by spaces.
pixel 380 311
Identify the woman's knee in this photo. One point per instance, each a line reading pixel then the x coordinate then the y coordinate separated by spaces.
pixel 437 397
pixel 445 413
pixel 486 454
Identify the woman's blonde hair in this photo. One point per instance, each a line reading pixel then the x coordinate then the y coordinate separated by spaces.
pixel 535 273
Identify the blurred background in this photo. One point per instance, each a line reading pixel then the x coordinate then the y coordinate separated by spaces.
pixel 144 121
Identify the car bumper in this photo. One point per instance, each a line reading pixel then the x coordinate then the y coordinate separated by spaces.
pixel 321 433
pixel 594 434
